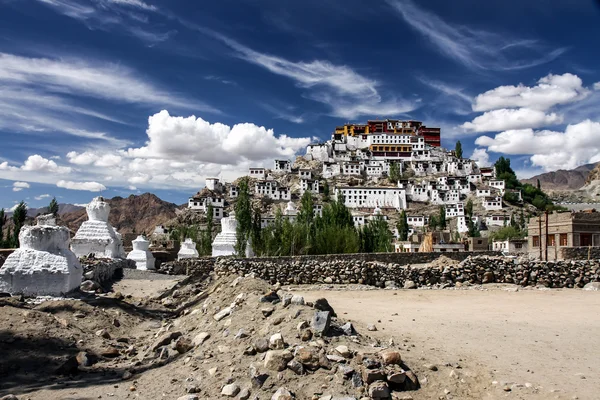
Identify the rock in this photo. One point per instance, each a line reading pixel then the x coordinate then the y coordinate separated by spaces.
pixel 183 345
pixel 126 375
pixel 276 342
pixel 396 377
pixel 488 277
pixel 323 305
pixel 222 314
pixel 592 286
pixel 85 359
pixel 165 339
pixel 103 333
pixel 277 321
pixel 379 390
pixel 372 375
pixel 431 367
pixel 411 382
pixel 296 366
pixel 9 397
pixel 259 380
pixel 89 286
pixel 297 300
pixel 336 358
pixel 320 322
pixel 230 390
pixel 391 357
pixel 302 325
pixel 111 352
pixel 371 364
pixel 282 394
pixel 241 334
pixel 69 367
pixel 357 381
pixel 261 345
pixel 306 335
pixel 189 397
pixel 266 312
pixel 270 297
pixel 309 357
pixel 348 329
pixel 410 285
pixel 344 351
pixel 244 394
pixel 276 360
pixel 371 327
pixel 200 338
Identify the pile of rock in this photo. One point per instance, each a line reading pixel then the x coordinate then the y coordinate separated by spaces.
pixel 254 341
pixel 98 272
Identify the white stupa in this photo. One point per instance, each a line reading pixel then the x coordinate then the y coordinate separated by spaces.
pixel 141 255
pixel 187 250
pixel 96 235
pixel 43 265
pixel 224 243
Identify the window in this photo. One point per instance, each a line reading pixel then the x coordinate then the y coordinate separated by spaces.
pixel 563 239
pixel 536 241
pixel 551 240
pixel 518 245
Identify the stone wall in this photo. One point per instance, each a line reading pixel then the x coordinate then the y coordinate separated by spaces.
pixel 473 270
pixel 188 266
pixel 580 253
pixel 104 270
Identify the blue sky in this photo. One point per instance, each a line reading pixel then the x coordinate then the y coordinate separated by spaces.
pixel 128 96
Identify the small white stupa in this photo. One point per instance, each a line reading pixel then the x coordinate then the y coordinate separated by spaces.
pixel 187 250
pixel 224 243
pixel 43 265
pixel 96 235
pixel 141 255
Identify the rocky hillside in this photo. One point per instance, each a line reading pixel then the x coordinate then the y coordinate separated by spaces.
pixel 63 208
pixel 564 179
pixel 138 214
pixel 594 175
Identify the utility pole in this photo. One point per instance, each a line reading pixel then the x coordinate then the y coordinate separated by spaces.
pixel 540 235
pixel 546 250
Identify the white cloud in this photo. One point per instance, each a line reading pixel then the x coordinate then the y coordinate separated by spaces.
pixel 550 91
pixel 4 165
pixel 131 187
pixel 89 158
pixel 505 119
pixel 84 78
pixel 476 49
pixel 141 179
pixel 191 138
pixel 597 86
pixel 347 92
pixel 481 157
pixel 88 186
pixel 42 196
pixel 41 164
pixel 18 186
pixel 135 3
pixel 579 144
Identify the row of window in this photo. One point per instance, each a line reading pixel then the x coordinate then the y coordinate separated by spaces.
pixel 391 148
pixel 563 240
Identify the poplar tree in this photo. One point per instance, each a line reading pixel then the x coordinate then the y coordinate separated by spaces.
pixel 243 215
pixel 326 195
pixel 442 220
pixel 402 226
pixel 2 223
pixel 458 149
pixel 19 216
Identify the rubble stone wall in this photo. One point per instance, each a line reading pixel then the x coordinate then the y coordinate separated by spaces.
pixel 105 269
pixel 580 253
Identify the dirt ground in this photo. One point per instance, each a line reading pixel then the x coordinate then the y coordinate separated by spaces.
pixel 497 343
pixel 544 338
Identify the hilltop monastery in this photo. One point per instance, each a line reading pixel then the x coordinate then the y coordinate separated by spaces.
pixel 356 163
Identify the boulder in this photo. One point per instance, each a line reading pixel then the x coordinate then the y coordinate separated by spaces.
pixel 320 322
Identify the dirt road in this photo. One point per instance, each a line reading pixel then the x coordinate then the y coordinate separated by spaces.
pixel 547 339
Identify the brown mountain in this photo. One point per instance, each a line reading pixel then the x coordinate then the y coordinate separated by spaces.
pixel 139 214
pixel 563 179
pixel 594 175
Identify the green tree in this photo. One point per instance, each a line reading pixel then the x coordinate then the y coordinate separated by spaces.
pixel 243 215
pixel 539 185
pixel 473 228
pixel 19 216
pixel 256 236
pixel 469 208
pixel 53 207
pixel 326 195
pixel 442 218
pixel 395 174
pixel 458 149
pixel 307 208
pixel 433 223
pixel 402 226
pixel 507 232
pixel 2 223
